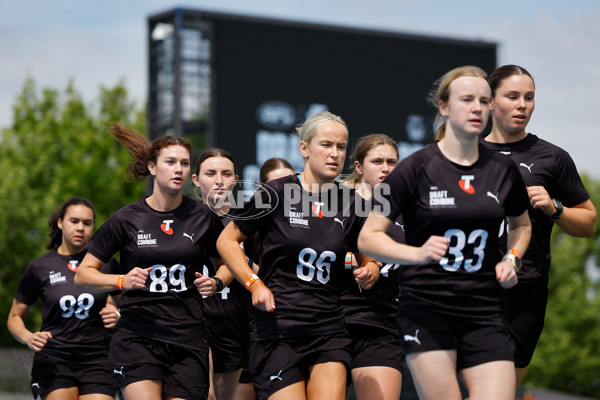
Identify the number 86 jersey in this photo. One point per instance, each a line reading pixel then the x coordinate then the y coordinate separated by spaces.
pixel 467 205
pixel 172 244
pixel 303 240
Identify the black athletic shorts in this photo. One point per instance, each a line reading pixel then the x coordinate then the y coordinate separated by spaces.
pixel 475 344
pixel 49 374
pixel 375 348
pixel 245 376
pixel 183 370
pixel 228 358
pixel 278 363
pixel 526 313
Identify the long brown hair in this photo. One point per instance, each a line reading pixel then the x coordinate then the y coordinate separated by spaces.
pixel 142 151
pixel 361 149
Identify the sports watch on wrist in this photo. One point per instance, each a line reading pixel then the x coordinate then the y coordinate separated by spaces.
pixel 559 209
pixel 514 258
pixel 219 283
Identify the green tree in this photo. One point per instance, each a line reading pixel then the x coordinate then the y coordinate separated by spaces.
pixel 57 147
pixel 568 355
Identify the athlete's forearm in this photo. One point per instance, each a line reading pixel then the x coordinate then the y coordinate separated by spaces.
pixel 96 281
pixel 371 265
pixel 519 233
pixel 88 276
pixel 228 246
pixel 579 221
pixel 223 273
pixel 374 242
pixel 16 327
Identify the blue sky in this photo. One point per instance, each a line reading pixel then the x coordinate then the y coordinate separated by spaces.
pixel 98 43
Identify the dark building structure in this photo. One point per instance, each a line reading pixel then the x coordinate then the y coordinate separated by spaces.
pixel 243 83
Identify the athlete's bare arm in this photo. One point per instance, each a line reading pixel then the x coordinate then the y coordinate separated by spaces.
pixel 16 325
pixel 228 246
pixel 578 221
pixel 519 235
pixel 374 241
pixel 367 273
pixel 88 276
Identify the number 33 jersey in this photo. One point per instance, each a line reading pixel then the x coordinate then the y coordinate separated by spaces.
pixel 467 205
pixel 69 313
pixel 303 242
pixel 172 244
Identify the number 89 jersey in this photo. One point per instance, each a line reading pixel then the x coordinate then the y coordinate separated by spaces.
pixel 466 204
pixel 69 313
pixel 303 239
pixel 169 308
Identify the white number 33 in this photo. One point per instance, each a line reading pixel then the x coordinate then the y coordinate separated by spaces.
pixel 476 238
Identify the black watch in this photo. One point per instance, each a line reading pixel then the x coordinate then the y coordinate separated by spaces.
pixel 559 209
pixel 219 283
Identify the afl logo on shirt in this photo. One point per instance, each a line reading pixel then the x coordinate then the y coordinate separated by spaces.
pixel 465 183
pixel 166 226
pixel 73 265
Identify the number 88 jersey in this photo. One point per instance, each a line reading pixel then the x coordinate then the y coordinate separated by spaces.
pixel 69 313
pixel 467 205
pixel 303 240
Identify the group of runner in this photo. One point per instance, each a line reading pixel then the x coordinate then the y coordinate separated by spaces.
pixel 317 283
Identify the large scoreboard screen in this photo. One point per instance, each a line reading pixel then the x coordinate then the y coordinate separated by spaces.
pixel 244 83
pixel 270 76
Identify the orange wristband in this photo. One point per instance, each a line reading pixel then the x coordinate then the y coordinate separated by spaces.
pixel 253 278
pixel 515 259
pixel 120 280
pixel 348 260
